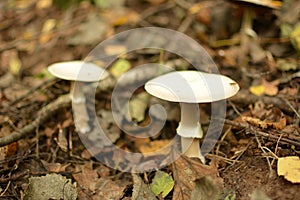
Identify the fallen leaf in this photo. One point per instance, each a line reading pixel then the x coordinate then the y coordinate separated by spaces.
pixel 90 32
pixel 151 147
pixel 162 183
pixel 257 90
pixel 263 118
pixel 138 106
pixel 289 167
pixel 257 194
pixel 121 16
pixel 141 191
pixel 271 88
pixel 111 50
pixel 286 65
pixel 120 67
pixel 44 4
pixel 268 88
pixel 62 140
pixel 87 178
pixel 108 189
pixel 47 29
pixel 51 186
pixel 205 188
pixel 188 174
pixel 295 38
pixel 55 167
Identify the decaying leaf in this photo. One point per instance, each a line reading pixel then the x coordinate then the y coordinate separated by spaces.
pixel 286 65
pixel 87 178
pixel 47 29
pixel 90 32
pixel 205 188
pixel 190 176
pixel 289 167
pixel 141 191
pixel 51 186
pixel 111 50
pixel 55 167
pixel 259 195
pixel 295 38
pixel 272 118
pixel 138 106
pixel 109 189
pixel 162 183
pixel 268 88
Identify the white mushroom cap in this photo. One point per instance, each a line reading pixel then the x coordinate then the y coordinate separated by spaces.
pixel 192 87
pixel 77 71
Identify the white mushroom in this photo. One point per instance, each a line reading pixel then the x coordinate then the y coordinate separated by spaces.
pixel 80 72
pixel 190 88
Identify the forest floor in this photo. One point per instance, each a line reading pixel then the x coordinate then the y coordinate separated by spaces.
pixel 257 46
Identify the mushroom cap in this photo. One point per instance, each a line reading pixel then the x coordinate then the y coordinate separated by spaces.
pixel 192 87
pixel 77 71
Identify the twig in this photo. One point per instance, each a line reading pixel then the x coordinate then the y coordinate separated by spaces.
pixel 269 134
pixel 32 90
pixel 43 115
pixel 246 98
pixel 267 158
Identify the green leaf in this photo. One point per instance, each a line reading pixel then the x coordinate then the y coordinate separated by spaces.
pixel 120 67
pixel 162 183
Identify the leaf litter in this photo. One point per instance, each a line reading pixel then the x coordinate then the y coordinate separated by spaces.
pixel 272 68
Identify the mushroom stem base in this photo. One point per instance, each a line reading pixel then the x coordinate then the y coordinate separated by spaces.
pixel 191 148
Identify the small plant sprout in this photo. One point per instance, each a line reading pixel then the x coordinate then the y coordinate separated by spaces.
pixel 78 72
pixel 190 88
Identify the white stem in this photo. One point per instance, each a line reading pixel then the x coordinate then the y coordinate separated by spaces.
pixel 190 130
pixel 189 125
pixel 80 112
pixel 77 93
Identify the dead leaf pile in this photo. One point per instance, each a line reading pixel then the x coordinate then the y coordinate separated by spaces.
pixel 266 118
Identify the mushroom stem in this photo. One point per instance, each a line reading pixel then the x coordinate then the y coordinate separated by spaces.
pixel 190 130
pixel 77 94
pixel 191 147
pixel 80 112
pixel 189 125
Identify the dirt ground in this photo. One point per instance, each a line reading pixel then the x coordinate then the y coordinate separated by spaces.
pixel 261 53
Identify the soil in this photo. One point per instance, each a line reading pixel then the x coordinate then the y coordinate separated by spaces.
pixel 26 51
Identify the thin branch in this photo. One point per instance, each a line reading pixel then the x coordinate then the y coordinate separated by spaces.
pixel 43 115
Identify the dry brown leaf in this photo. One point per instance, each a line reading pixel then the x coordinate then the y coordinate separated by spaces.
pixel 141 191
pixel 289 167
pixel 55 167
pixel 271 88
pixel 188 173
pixel 108 189
pixel 265 118
pixel 87 178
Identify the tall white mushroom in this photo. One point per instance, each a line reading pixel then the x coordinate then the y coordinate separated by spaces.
pixel 190 88
pixel 80 72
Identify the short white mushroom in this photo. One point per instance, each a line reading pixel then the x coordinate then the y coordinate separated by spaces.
pixel 80 72
pixel 190 88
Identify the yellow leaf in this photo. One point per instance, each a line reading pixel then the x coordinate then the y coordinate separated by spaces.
pixel 257 90
pixel 120 67
pixel 162 184
pixel 289 167
pixel 43 4
pixel 49 25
